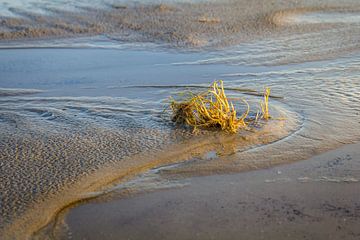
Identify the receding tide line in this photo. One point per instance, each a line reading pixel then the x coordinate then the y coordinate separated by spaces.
pixel 6 92
pixel 246 91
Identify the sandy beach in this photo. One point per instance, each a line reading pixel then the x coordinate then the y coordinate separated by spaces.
pixel 87 138
pixel 313 199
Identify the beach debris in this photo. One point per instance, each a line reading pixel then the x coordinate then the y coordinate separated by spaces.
pixel 265 104
pixel 212 109
pixel 210 20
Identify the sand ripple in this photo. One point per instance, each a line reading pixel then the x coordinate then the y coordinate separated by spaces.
pixel 195 24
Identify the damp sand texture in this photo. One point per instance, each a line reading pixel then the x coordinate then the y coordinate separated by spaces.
pixel 195 24
pixel 73 121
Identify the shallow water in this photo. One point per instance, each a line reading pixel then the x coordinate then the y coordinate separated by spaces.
pixel 324 17
pixel 9 7
pixel 70 108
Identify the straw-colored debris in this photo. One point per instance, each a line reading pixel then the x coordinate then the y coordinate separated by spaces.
pixel 212 109
pixel 265 104
pixel 209 20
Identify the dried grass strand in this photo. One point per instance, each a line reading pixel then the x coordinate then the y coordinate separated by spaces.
pixel 210 109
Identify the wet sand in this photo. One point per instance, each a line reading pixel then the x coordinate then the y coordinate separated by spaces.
pixel 68 138
pixel 74 122
pixel 197 24
pixel 313 199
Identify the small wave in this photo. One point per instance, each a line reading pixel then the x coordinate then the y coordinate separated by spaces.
pixel 5 92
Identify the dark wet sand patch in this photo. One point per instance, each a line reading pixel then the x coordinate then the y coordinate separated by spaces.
pixel 313 199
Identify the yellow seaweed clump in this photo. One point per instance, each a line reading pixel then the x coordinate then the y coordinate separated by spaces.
pixel 209 109
pixel 212 109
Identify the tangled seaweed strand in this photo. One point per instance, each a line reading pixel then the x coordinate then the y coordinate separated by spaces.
pixel 264 105
pixel 212 109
